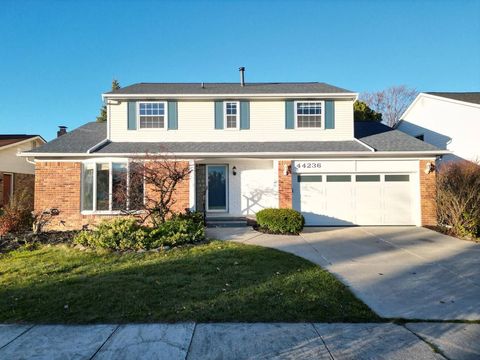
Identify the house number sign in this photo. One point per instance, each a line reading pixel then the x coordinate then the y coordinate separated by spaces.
pixel 301 165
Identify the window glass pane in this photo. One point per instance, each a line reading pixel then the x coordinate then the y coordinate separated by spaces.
pixel 397 177
pixel 309 178
pixel 136 190
pixel 87 190
pixel 309 114
pixel 152 115
pixel 119 186
pixel 102 186
pixel 367 178
pixel 338 178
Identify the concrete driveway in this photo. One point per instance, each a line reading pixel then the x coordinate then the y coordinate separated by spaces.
pixel 400 272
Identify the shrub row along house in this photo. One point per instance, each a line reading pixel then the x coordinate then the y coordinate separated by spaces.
pixel 250 146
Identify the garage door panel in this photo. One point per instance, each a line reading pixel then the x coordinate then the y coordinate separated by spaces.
pixel 355 199
pixel 338 202
pixel 398 203
pixel 368 201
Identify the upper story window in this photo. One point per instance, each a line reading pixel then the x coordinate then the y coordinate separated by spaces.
pixel 309 114
pixel 151 115
pixel 231 111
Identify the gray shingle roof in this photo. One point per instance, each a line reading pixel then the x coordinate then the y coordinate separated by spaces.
pixel 471 97
pixel 376 135
pixel 76 141
pixel 383 138
pixel 232 147
pixel 229 88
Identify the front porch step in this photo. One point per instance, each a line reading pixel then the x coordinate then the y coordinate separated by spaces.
pixel 228 221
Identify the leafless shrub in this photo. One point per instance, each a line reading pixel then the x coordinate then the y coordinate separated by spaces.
pixel 147 192
pixel 458 197
pixel 16 215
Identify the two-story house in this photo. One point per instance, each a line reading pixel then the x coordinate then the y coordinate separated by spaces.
pixel 250 146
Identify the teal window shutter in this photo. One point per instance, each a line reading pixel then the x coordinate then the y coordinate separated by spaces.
pixel 329 114
pixel 218 114
pixel 244 115
pixel 132 115
pixel 289 114
pixel 172 115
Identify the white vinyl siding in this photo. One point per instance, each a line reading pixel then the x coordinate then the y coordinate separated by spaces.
pixel 267 123
pixel 446 124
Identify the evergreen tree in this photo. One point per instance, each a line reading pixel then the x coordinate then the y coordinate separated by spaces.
pixel 362 112
pixel 103 111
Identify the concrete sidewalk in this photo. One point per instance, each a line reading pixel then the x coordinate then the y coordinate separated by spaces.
pixel 241 341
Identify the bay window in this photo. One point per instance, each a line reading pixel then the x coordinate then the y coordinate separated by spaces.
pixel 110 186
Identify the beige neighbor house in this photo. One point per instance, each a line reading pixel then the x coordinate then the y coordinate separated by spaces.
pixel 250 146
pixel 16 172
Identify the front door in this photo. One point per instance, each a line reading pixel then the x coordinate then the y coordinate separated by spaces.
pixel 217 188
pixel 7 188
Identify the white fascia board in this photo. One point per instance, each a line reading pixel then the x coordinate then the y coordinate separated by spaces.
pixel 23 142
pixel 353 96
pixel 436 97
pixel 269 155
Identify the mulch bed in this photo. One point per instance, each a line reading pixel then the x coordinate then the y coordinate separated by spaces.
pixel 12 242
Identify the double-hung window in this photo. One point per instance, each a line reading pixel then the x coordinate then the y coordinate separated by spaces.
pixel 309 114
pixel 152 115
pixel 112 186
pixel 231 114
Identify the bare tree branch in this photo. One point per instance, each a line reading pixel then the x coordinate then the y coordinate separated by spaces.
pixel 391 102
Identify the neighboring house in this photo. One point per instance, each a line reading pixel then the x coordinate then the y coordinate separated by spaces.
pixel 15 171
pixel 448 120
pixel 250 146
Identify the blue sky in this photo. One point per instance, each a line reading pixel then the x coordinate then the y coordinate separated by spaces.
pixel 57 57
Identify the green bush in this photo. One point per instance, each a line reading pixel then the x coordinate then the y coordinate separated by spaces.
pixel 179 229
pixel 118 234
pixel 280 221
pixel 127 234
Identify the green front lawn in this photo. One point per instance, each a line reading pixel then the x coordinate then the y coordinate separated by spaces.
pixel 218 281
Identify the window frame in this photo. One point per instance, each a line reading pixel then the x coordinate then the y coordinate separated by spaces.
pixel 237 127
pixel 322 114
pixel 165 122
pixel 94 210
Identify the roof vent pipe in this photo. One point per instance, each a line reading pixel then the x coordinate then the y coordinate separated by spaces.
pixel 242 76
pixel 203 85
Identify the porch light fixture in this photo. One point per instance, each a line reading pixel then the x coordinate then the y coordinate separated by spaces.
pixel 429 167
pixel 234 171
pixel 286 170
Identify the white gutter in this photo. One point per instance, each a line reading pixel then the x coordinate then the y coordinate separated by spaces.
pixel 232 96
pixel 95 147
pixel 364 144
pixel 243 154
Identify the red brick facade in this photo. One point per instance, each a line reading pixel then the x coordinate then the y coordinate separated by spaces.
pixel 285 184
pixel 58 185
pixel 428 194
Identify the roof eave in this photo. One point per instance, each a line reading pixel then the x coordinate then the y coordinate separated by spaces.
pixel 279 155
pixel 346 95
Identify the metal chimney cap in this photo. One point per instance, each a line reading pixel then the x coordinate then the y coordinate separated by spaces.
pixel 242 68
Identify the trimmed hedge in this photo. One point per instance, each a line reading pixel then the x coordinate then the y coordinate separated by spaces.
pixel 127 234
pixel 280 221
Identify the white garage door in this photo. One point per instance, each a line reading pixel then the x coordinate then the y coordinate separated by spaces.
pixel 355 199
